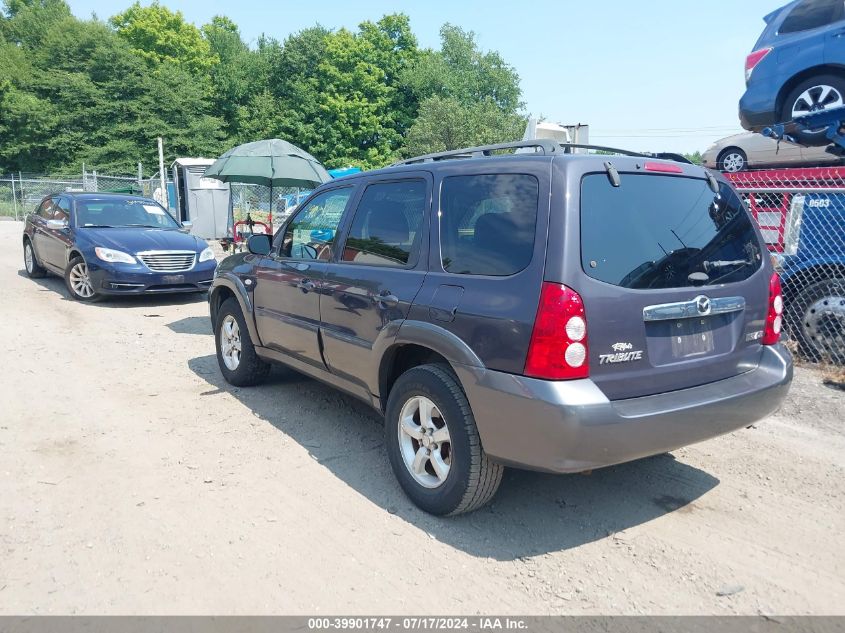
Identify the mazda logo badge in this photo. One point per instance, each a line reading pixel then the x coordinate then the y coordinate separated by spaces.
pixel 702 303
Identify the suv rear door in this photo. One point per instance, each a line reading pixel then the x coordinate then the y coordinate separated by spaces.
pixel 673 278
pixel 378 271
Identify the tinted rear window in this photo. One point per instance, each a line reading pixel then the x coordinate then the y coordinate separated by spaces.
pixel 386 228
pixel 811 14
pixel 656 231
pixel 487 223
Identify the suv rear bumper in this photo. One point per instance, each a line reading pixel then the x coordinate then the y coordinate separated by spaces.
pixel 571 426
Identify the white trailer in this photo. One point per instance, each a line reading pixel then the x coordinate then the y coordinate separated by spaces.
pixel 204 202
pixel 578 133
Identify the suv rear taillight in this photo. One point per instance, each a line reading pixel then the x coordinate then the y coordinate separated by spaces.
pixel 753 59
pixel 558 349
pixel 774 316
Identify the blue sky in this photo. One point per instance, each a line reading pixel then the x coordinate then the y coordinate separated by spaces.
pixel 649 75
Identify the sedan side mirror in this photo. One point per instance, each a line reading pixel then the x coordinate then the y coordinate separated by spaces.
pixel 259 244
pixel 57 225
pixel 187 224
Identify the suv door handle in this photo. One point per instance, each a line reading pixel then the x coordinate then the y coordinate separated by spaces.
pixel 306 285
pixel 386 299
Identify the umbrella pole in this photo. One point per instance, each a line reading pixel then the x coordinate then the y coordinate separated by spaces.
pixel 271 208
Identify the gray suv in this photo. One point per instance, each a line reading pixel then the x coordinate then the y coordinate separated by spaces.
pixel 542 309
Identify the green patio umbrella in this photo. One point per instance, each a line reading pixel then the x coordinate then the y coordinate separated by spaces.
pixel 271 162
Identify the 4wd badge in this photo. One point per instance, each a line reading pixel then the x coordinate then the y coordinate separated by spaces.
pixel 622 353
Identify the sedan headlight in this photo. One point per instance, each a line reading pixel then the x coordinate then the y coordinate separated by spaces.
pixel 113 256
pixel 206 255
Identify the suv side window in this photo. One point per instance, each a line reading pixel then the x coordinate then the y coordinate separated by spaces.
pixel 62 210
pixel 812 14
pixel 46 209
pixel 312 231
pixel 487 223
pixel 386 228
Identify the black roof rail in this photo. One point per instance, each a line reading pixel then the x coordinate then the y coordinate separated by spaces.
pixel 624 152
pixel 546 146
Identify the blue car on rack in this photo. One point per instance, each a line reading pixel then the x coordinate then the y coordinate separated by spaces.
pixel 112 244
pixel 797 67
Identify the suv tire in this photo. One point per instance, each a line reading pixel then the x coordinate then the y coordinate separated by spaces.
pixel 236 356
pixel 34 270
pixel 439 435
pixel 78 281
pixel 799 98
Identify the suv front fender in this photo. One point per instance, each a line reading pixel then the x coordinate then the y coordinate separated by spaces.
pixel 227 281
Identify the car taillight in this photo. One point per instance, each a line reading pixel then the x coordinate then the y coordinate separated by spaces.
pixel 774 315
pixel 753 59
pixel 558 348
pixel 664 168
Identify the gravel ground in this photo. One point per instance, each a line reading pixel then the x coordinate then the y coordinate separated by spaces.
pixel 134 480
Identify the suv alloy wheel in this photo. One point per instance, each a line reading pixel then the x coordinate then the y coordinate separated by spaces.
pixel 433 443
pixel 236 355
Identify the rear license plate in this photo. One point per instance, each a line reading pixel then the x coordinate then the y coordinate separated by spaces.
pixel 691 337
pixel 173 279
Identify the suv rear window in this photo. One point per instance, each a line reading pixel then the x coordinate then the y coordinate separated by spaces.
pixel 811 14
pixel 656 231
pixel 386 228
pixel 487 223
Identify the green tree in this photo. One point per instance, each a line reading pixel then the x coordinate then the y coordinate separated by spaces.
pixel 695 158
pixel 445 123
pixel 462 71
pixel 80 93
pixel 394 50
pixel 339 93
pixel 27 22
pixel 238 73
pixel 162 36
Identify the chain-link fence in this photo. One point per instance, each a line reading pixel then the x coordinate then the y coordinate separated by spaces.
pixel 253 202
pixel 801 213
pixel 20 193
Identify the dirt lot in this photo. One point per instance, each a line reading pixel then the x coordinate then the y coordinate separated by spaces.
pixel 134 480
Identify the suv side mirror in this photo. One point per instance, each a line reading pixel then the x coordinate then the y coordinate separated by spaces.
pixel 259 244
pixel 57 225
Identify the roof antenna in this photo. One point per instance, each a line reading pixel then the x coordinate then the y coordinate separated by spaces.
pixel 612 174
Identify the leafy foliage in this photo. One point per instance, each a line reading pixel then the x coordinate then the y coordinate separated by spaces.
pixel 444 123
pixel 161 36
pixel 97 92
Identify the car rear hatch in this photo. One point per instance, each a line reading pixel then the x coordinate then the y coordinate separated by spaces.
pixel 673 278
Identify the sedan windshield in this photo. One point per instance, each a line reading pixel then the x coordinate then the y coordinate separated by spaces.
pixel 123 212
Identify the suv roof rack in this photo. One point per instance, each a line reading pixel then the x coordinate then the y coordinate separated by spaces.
pixel 545 146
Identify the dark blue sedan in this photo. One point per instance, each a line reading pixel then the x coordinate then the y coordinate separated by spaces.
pixel 796 67
pixel 110 244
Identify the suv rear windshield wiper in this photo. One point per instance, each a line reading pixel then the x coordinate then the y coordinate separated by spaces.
pixel 738 264
pixel 719 264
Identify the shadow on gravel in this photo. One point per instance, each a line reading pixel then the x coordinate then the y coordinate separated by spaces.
pixel 532 514
pixel 52 283
pixel 192 325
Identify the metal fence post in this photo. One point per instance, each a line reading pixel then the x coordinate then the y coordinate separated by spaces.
pixel 20 182
pixel 14 197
